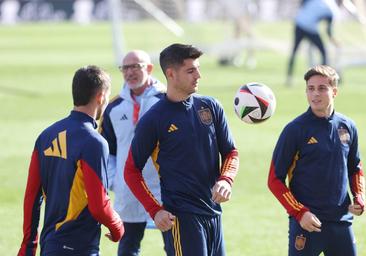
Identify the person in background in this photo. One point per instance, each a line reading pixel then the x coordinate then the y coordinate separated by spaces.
pixel 139 92
pixel 68 171
pixel 188 136
pixel 318 152
pixel 308 18
pixel 307 21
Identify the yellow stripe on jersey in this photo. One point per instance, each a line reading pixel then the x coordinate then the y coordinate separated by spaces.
pixel 54 150
pixel 176 238
pixel 292 167
pixel 149 192
pixel 78 199
pixel 360 184
pixel 62 141
pixel 154 157
pixel 292 201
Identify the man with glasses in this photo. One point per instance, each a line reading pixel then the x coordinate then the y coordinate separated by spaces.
pixel 139 92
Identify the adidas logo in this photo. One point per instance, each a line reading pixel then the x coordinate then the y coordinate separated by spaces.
pixel 172 128
pixel 124 117
pixel 58 148
pixel 312 140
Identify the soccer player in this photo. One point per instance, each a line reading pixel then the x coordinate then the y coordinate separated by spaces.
pixel 187 135
pixel 68 171
pixel 139 92
pixel 310 14
pixel 318 152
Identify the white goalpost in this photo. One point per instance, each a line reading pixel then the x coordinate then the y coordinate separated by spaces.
pixel 115 11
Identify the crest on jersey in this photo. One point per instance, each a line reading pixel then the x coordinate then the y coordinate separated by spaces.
pixel 205 116
pixel 344 135
pixel 300 242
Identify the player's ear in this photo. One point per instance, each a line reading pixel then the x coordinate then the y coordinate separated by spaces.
pixel 149 68
pixel 100 97
pixel 335 91
pixel 169 73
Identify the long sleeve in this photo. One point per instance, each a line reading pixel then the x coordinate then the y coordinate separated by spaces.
pixel 230 167
pixel 357 178
pixel 282 165
pixel 99 203
pixel 135 181
pixel 284 195
pixel 358 188
pixel 32 205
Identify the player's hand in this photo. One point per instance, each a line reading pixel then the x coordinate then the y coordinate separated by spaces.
pixel 355 209
pixel 221 192
pixel 310 222
pixel 164 220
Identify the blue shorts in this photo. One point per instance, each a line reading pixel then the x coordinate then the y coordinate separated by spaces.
pixel 335 239
pixel 195 235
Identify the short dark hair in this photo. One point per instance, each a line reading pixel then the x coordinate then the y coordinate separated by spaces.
pixel 323 70
pixel 87 82
pixel 175 54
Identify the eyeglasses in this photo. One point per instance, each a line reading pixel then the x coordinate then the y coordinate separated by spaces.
pixel 133 67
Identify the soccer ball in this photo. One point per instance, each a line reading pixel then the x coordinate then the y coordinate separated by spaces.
pixel 254 103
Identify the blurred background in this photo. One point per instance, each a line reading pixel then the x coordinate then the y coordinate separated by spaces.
pixel 43 42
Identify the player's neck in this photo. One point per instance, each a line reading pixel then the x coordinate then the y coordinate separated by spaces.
pixel 324 113
pixel 92 112
pixel 176 95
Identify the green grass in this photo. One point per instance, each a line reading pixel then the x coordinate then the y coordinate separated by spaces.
pixel 36 68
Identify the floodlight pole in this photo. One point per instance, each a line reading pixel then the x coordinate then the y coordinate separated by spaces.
pixel 115 10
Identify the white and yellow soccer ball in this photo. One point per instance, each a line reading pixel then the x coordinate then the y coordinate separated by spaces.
pixel 254 103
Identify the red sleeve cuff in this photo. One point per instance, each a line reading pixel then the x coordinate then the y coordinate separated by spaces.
pixel 359 200
pixel 301 213
pixel 227 179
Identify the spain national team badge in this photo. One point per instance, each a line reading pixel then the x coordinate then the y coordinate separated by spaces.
pixel 300 242
pixel 343 135
pixel 205 116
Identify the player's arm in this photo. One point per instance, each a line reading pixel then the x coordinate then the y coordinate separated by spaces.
pixel 93 167
pixel 142 146
pixel 107 131
pixel 99 203
pixel 32 205
pixel 221 192
pixel 357 179
pixel 230 166
pixel 284 157
pixel 135 181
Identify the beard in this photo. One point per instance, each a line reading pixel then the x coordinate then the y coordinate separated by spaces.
pixel 135 86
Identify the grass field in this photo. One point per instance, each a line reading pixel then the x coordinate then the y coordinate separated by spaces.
pixel 36 68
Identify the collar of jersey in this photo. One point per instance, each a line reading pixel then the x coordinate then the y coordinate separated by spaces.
pixel 313 116
pixel 186 104
pixel 84 118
